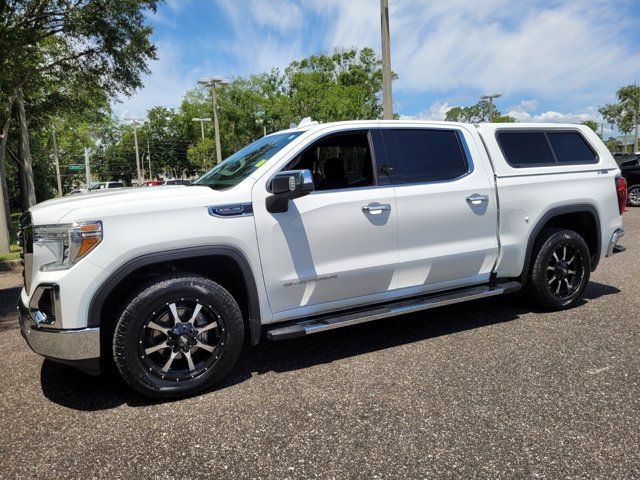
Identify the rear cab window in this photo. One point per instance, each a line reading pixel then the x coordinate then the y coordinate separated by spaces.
pixel 539 148
pixel 424 155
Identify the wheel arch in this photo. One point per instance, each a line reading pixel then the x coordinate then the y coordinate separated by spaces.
pixel 240 280
pixel 573 217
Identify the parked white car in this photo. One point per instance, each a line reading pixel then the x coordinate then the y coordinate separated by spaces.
pixel 106 185
pixel 311 229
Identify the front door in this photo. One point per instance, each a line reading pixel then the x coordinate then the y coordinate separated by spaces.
pixel 336 245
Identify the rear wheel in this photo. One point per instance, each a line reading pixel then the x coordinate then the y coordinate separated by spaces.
pixel 561 269
pixel 633 196
pixel 178 336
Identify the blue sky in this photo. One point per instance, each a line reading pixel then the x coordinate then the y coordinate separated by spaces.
pixel 554 60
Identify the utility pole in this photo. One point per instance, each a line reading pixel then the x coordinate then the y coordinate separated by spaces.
pixel 134 122
pixel 201 120
pixel 149 158
pixel 490 97
pixel 260 121
pixel 87 167
pixel 57 159
pixel 213 81
pixel 387 101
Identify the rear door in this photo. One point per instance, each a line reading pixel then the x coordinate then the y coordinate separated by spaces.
pixel 447 208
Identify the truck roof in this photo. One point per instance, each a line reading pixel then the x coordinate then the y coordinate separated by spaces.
pixel 480 126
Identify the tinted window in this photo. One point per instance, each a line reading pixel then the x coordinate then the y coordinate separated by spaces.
pixel 538 148
pixel 570 147
pixel 338 161
pixel 421 155
pixel 525 149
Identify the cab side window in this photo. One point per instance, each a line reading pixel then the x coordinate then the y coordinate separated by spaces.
pixel 421 155
pixel 338 161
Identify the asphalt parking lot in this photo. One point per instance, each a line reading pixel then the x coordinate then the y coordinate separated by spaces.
pixel 489 389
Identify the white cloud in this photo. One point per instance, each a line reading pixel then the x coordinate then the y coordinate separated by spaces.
pixel 267 34
pixel 437 112
pixel 561 52
pixel 166 85
pixel 525 111
pixel 550 48
pixel 281 15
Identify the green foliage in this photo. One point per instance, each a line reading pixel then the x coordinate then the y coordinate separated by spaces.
pixel 592 125
pixel 203 154
pixel 70 58
pixel 345 85
pixel 625 113
pixel 616 114
pixel 476 114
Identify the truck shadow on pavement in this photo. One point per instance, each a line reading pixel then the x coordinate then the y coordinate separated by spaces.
pixel 70 388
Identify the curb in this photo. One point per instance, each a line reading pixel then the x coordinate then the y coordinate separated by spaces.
pixel 10 265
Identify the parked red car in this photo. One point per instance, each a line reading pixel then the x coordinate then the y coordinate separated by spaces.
pixel 152 183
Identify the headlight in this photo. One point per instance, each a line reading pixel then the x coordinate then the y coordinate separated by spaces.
pixel 68 243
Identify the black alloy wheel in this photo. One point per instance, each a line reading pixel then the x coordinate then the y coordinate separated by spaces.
pixel 633 196
pixel 177 335
pixel 182 340
pixel 565 271
pixel 560 269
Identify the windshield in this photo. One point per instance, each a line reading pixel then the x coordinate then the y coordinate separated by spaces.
pixel 244 162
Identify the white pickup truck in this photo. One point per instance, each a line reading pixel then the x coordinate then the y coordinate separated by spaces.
pixel 310 229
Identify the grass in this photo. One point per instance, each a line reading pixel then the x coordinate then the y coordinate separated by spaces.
pixel 14 254
pixel 14 249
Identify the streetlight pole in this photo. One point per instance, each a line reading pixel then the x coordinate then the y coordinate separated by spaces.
pixel 87 167
pixel 490 97
pixel 134 122
pixel 201 120
pixel 387 101
pixel 213 81
pixel 149 158
pixel 57 159
pixel 260 121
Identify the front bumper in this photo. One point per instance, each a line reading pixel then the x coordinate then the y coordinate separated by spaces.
pixel 79 348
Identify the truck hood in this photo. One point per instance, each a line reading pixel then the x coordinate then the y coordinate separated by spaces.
pixel 127 200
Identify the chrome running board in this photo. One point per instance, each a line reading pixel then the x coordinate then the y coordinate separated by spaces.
pixel 402 307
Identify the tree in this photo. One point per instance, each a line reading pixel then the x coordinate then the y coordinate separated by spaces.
pixel 616 114
pixel 104 43
pixel 592 124
pixel 342 86
pixel 629 100
pixel 345 85
pixel 477 113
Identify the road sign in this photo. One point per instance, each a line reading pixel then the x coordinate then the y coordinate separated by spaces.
pixel 76 168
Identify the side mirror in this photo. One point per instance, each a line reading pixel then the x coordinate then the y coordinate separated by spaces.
pixel 288 185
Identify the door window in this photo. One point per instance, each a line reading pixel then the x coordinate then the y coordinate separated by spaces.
pixel 338 161
pixel 423 155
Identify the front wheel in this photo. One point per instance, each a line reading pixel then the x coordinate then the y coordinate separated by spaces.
pixel 178 336
pixel 561 269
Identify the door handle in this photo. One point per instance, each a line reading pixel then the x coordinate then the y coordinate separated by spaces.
pixel 477 199
pixel 376 207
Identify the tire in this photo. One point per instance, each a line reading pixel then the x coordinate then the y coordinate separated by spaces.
pixel 160 357
pixel 557 253
pixel 633 196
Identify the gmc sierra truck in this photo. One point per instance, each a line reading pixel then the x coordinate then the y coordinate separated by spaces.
pixel 315 228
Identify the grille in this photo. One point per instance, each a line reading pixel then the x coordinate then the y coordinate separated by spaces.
pixel 25 240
